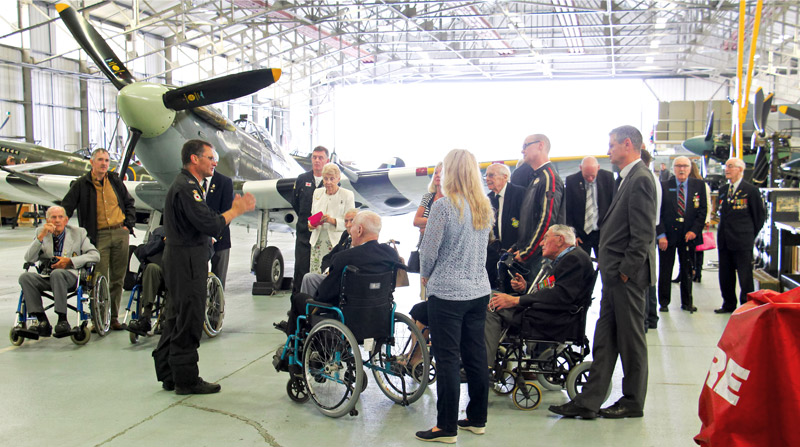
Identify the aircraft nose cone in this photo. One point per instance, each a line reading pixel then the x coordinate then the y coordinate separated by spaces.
pixel 141 107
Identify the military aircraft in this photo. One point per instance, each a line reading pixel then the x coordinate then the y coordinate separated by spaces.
pixel 161 119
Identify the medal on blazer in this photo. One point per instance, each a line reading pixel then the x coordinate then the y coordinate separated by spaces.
pixel 696 200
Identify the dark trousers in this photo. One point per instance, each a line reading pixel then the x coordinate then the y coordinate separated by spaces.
pixel 219 264
pixel 186 273
pixel 298 307
pixel 698 264
pixel 591 241
pixel 302 258
pixel 457 337
pixel 619 333
pixel 732 262
pixel 493 254
pixel 666 260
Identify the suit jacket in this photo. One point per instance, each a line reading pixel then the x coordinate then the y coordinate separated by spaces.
pixel 694 218
pixel 339 203
pixel 740 217
pixel 370 257
pixel 627 234
pixel 512 205
pixel 575 192
pixel 220 199
pixel 77 247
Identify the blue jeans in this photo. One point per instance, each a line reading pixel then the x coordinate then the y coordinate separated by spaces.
pixel 457 337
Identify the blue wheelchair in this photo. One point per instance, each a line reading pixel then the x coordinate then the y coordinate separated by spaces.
pixel 93 304
pixel 326 363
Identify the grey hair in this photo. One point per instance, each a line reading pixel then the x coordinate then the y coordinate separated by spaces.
pixel 592 160
pixel 502 167
pixel 623 132
pixel 565 231
pixel 98 151
pixel 369 220
pixel 352 211
pixel 331 168
pixel 53 208
pixel 680 158
pixel 737 161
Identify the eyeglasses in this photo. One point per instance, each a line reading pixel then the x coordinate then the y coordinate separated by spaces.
pixel 210 157
pixel 682 166
pixel 525 146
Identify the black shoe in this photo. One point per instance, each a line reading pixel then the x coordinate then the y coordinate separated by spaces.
pixel 447 437
pixel 465 424
pixel 62 328
pixel 663 309
pixel 42 328
pixel 115 325
pixel 572 410
pixel 280 364
pixel 282 326
pixel 619 411
pixel 140 326
pixel 168 386
pixel 696 278
pixel 722 310
pixel 690 309
pixel 676 280
pixel 201 387
pixel 652 325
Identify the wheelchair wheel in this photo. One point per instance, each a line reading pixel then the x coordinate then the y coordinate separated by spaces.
pixel 215 306
pixel 332 368
pixel 419 371
pixel 100 306
pixel 506 383
pixel 577 378
pixel 527 396
pixel 562 363
pixel 296 389
pixel 82 337
pixel 16 340
pixel 134 338
pixel 395 379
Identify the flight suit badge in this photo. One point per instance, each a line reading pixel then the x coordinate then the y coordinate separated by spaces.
pixel 514 222
pixel 196 196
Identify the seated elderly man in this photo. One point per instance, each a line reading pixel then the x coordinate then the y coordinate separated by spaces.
pixel 151 255
pixel 562 287
pixel 366 254
pixel 61 249
pixel 311 281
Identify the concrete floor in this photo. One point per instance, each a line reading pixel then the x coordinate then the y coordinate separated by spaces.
pixel 105 393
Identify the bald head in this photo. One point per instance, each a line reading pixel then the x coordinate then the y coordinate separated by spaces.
pixel 589 168
pixel 366 227
pixel 536 150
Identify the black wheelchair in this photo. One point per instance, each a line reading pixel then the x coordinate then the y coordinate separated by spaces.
pixel 558 363
pixel 91 291
pixel 213 317
pixel 332 345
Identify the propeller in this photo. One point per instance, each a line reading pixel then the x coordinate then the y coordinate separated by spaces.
pixel 758 105
pixel 760 166
pixel 790 110
pixel 220 89
pixel 710 126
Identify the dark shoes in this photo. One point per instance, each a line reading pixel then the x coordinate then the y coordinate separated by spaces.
pixel 62 328
pixel 116 325
pixel 140 326
pixel 722 310
pixel 168 386
pixel 283 326
pixel 42 328
pixel 465 424
pixel 620 410
pixel 573 410
pixel 663 309
pixel 201 387
pixel 690 309
pixel 447 437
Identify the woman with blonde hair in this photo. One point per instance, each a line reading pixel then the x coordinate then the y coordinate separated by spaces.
pixel 421 218
pixel 332 201
pixel 453 269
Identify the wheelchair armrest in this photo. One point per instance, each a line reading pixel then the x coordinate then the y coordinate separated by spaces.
pixel 26 266
pixel 320 304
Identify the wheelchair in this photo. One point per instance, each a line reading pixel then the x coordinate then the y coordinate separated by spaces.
pixel 212 318
pixel 326 363
pixel 91 291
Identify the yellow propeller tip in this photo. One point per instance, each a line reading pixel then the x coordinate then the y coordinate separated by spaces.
pixel 62 6
pixel 276 74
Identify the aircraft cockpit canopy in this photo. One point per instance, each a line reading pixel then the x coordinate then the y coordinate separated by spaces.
pixel 258 132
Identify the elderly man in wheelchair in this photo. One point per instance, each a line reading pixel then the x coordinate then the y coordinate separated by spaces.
pixel 61 250
pixel 152 281
pixel 550 310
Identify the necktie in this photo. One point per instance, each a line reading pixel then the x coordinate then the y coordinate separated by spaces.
pixel 619 180
pixel 681 201
pixel 590 215
pixel 205 188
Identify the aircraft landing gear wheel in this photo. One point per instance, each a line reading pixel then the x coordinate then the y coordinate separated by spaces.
pixel 16 340
pixel 527 395
pixel 215 306
pixel 269 267
pixel 297 390
pixel 506 383
pixel 100 306
pixel 82 337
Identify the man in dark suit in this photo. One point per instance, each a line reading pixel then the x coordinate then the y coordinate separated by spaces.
pixel 559 299
pixel 506 200
pixel 683 215
pixel 741 212
pixel 302 198
pixel 627 266
pixel 366 254
pixel 588 194
pixel 219 197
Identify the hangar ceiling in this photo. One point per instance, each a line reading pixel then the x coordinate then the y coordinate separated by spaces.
pixel 324 43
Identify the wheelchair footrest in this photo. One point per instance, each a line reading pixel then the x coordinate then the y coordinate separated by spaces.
pixel 26 333
pixel 74 331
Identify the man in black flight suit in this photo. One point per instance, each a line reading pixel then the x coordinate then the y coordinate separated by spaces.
pixel 304 188
pixel 189 224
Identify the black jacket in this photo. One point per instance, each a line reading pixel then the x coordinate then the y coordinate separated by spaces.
pixel 694 218
pixel 188 220
pixel 740 217
pixel 370 257
pixel 575 192
pixel 83 196
pixel 542 207
pixel 302 197
pixel 153 250
pixel 512 206
pixel 220 199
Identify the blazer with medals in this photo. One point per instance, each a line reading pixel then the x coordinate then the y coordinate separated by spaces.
pixel 741 217
pixel 575 191
pixel 77 247
pixel 694 216
pixel 220 199
pixel 512 205
pixel 628 229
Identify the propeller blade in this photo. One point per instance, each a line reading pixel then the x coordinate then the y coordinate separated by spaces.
pixel 760 167
pixel 765 111
pixel 790 110
pixel 758 104
pixel 710 126
pixel 95 46
pixel 123 168
pixel 220 89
